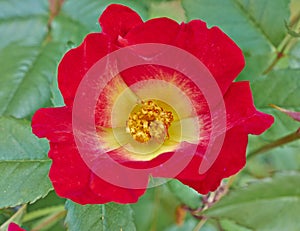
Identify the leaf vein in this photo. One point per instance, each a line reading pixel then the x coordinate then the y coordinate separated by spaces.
pixel 254 22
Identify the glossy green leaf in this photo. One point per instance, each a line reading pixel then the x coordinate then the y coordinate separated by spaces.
pixel 170 9
pixel 27 73
pixel 24 21
pixel 279 87
pixel 105 217
pixel 24 165
pixel 266 205
pixel 228 225
pixel 294 56
pixel 191 224
pixel 270 16
pixel 28 57
pixel 56 96
pixel 185 194
pixel 156 209
pixel 291 32
pixel 256 26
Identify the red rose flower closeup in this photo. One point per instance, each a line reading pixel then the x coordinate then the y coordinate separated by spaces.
pixel 149 118
pixel 14 227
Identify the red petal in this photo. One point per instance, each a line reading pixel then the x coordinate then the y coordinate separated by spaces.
pixel 147 72
pixel 115 193
pixel 230 160
pixel 106 100
pixel 215 49
pixel 69 174
pixel 78 61
pixel 53 123
pixel 72 179
pixel 158 30
pixel 241 111
pixel 14 227
pixel 117 20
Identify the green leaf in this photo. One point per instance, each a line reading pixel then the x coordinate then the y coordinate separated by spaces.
pixel 105 217
pixel 185 194
pixel 269 15
pixel 228 225
pixel 293 58
pixel 156 209
pixel 279 87
pixel 78 18
pixel 256 26
pixel 24 164
pixel 24 21
pixel 188 225
pixel 268 204
pixel 191 224
pixel 28 57
pixel 57 99
pixel 292 32
pixel 171 9
pixel 27 72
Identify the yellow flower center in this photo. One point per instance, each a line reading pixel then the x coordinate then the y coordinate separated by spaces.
pixel 148 120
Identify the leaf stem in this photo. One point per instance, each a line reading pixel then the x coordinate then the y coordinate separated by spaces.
pixel 42 212
pixel 14 217
pixel 48 220
pixel 285 45
pixel 279 55
pixel 212 198
pixel 200 224
pixel 277 143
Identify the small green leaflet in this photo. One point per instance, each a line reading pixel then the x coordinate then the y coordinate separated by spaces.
pixel 24 164
pixel 106 217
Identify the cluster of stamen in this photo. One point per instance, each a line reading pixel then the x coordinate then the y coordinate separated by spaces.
pixel 149 121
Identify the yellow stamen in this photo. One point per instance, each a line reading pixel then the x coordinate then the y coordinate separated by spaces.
pixel 149 121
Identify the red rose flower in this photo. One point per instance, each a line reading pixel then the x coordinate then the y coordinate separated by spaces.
pixel 14 227
pixel 144 115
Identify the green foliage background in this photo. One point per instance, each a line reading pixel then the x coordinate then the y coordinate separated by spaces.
pixel 264 196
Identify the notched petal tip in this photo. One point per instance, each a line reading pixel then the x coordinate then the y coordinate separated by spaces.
pixel 116 20
pixel 261 122
pixel 241 110
pixel 77 61
pixel 53 123
pixel 218 52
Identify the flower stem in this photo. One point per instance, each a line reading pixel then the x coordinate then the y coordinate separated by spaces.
pixel 200 224
pixel 284 47
pixel 42 212
pixel 277 143
pixel 49 220
pixel 14 218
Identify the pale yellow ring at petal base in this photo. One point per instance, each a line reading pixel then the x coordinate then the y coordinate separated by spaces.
pixel 185 127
